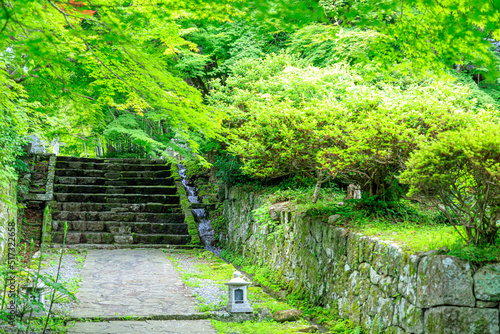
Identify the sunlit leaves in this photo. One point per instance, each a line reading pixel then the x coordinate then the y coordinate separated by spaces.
pixel 460 172
pixel 427 35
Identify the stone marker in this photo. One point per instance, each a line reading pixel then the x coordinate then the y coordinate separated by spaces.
pixel 37 146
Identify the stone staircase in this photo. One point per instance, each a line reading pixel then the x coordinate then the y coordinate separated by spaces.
pixel 117 201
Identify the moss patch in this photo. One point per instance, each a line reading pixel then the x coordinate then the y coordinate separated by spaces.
pixel 186 207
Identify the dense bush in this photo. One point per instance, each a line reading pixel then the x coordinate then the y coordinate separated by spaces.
pixel 386 125
pixel 286 116
pixel 460 172
pixel 277 139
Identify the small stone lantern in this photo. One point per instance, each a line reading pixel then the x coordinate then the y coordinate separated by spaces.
pixel 36 292
pixel 238 301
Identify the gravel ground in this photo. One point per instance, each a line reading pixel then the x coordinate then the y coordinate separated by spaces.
pixel 69 275
pixel 211 295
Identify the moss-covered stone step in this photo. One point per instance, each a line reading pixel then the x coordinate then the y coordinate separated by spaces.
pixel 127 181
pixel 112 175
pixel 110 166
pixel 120 207
pixel 95 189
pixel 110 238
pixel 119 216
pixel 113 160
pixel 63 158
pixel 117 198
pixel 166 239
pixel 122 181
pixel 122 227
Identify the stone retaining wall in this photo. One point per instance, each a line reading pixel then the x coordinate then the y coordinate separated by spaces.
pixel 8 212
pixel 376 284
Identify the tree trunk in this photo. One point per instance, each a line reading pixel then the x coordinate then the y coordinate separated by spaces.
pixel 318 186
pixel 84 145
pixel 101 148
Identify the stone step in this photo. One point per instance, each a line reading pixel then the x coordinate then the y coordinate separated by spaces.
pixel 123 181
pixel 93 189
pixel 110 166
pixel 113 160
pixel 117 198
pixel 119 216
pixel 63 158
pixel 120 207
pixel 109 238
pixel 112 175
pixel 122 227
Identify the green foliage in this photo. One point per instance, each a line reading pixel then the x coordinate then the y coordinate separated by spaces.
pixel 387 124
pixel 220 46
pixel 492 92
pixel 422 36
pixel 323 45
pixel 277 78
pixel 414 233
pixel 128 127
pixel 27 303
pixel 82 65
pixel 269 229
pixel 256 327
pixel 328 209
pixel 278 139
pixel 286 117
pixel 194 169
pixel 476 253
pixel 228 170
pixel 10 148
pixel 461 173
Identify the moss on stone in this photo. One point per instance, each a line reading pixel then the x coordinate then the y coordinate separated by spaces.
pixel 186 207
pixel 47 221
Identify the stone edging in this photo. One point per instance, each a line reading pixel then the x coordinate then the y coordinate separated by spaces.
pixel 193 316
pixel 123 246
pixel 186 206
pixel 49 185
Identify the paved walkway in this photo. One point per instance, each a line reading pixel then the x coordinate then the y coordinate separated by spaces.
pixel 134 282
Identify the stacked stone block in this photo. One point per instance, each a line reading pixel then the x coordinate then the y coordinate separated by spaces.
pixel 121 201
pixel 374 283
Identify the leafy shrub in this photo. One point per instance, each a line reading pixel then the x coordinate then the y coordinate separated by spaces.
pixel 386 125
pixel 460 172
pixel 286 117
pixel 278 140
pixel 476 253
pixel 228 170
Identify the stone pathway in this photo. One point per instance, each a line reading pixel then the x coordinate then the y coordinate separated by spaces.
pixel 134 282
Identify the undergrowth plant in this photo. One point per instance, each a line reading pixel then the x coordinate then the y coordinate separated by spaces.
pixel 30 314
